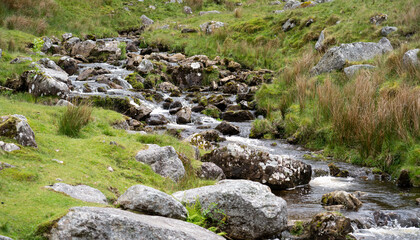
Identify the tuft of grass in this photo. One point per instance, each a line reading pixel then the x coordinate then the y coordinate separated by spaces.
pixel 74 119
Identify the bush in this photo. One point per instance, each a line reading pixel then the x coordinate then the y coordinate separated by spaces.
pixel 74 119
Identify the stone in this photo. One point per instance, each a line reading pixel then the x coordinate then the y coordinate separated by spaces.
pixel 404 180
pixel 5 238
pixel 208 12
pixel 209 27
pixel 66 36
pixel 252 211
pixel 139 112
pixel 17 127
pixel 329 225
pixel 148 200
pixel 211 171
pixel 278 11
pixel 411 59
pixel 157 119
pixel 105 51
pixel 19 60
pixel 133 46
pixel 288 25
pixel 352 70
pixel 145 66
pixel 319 45
pixel 199 141
pixel 238 116
pixel 275 3
pixel 385 31
pixel 69 65
pixel 348 200
pixel 8 147
pixel 46 45
pixel 183 116
pixel 1 53
pixel 337 172
pixel 110 223
pixel 83 48
pixel 378 18
pixel 292 4
pixel 133 61
pixel 336 58
pixel 163 161
pixel 418 201
pixel 168 87
pixel 90 72
pixel 81 192
pixel 5 165
pixel 146 21
pixel 187 10
pixel 211 135
pixel 242 162
pixel 63 102
pixel 228 128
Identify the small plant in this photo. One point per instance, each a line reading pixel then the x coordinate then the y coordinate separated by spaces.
pixel 122 46
pixel 74 119
pixel 297 229
pixel 37 45
pixel 211 218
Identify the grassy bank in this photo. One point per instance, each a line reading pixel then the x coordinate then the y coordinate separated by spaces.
pixel 26 203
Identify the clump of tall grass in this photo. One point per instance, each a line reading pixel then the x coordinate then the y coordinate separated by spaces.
pixel 74 119
pixel 194 4
pixel 23 23
pixel 237 12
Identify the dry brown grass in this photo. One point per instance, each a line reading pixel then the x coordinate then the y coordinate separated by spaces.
pixel 40 8
pixel 301 66
pixel 237 12
pixel 194 4
pixel 27 24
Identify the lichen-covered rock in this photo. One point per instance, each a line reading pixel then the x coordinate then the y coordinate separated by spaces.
pixel 336 171
pixel 105 51
pixel 348 200
pixel 81 48
pixel 385 31
pixel 139 112
pixel 329 225
pixel 335 58
pixel 168 87
pixel 410 58
pixel 209 27
pixel 238 116
pixel 146 21
pixel 211 171
pixel 288 25
pixel 352 70
pixel 188 75
pixel 241 162
pixel 252 211
pixel 163 160
pixel 81 192
pixel 17 127
pixel 292 4
pixel 110 223
pixel 183 116
pixel 228 128
pixel 8 147
pixel 145 66
pixel 157 119
pixel 151 201
pixel 187 10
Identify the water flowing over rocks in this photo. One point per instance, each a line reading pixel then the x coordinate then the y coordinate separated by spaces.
pixel 151 201
pixel 17 127
pixel 241 162
pixel 81 192
pixel 109 223
pixel 252 211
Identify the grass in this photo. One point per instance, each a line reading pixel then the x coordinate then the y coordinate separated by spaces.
pixel 74 119
pixel 27 204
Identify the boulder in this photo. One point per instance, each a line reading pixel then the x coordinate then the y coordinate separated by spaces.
pixel 337 172
pixel 292 4
pixel 251 210
pixel 19 60
pixel 168 87
pixel 404 180
pixel 69 65
pixel 81 192
pixel 188 75
pixel 145 66
pixel 163 161
pixel 5 238
pixel 352 70
pixel 418 201
pixel 146 21
pixel 66 36
pixel 187 10
pixel 209 27
pixel 63 102
pixel 8 147
pixel 348 200
pixel 329 225
pixel 319 45
pixel 228 128
pixel 238 116
pixel 411 59
pixel 385 31
pixel 151 201
pixel 335 58
pixel 17 127
pixel 4 165
pixel 105 52
pixel 139 112
pixel 288 25
pixel 91 72
pixel 183 116
pixel 133 61
pixel 241 162
pixel 82 48
pixel 157 119
pixel 198 141
pixel 46 45
pixel 110 223
pixel 211 171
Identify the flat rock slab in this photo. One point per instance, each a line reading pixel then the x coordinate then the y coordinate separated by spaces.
pixel 81 192
pixel 110 223
pixel 151 201
pixel 252 211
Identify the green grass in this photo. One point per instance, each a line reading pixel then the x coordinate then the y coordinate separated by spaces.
pixel 27 204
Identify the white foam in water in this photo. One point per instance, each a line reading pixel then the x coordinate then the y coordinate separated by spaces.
pixel 331 182
pixel 247 141
pixel 411 233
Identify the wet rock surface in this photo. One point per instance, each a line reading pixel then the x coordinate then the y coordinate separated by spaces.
pixel 348 200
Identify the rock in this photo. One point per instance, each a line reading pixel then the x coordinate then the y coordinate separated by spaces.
pixel 145 66
pixel 133 46
pixel 211 171
pixel 253 211
pixel 278 11
pixel 209 27
pixel 418 201
pixel 139 112
pixel 8 147
pixel 83 48
pixel 90 72
pixel 5 165
pixel 288 25
pixel 198 108
pixel 81 192
pixel 199 141
pixel 19 60
pixel 183 116
pixel 335 58
pixel 69 65
pixel 5 238
pixel 404 180
pixel 275 3
pixel 329 225
pixel 241 162
pixel 208 12
pixel 211 135
pixel 110 223
pixel 319 45
pixel 163 160
pixel 17 127
pixel 63 102
pixel 337 172
pixel 133 61
pixel 157 119
pixel 168 87
pixel 66 36
pixel 151 201
pixel 46 45
pixel 352 70
pixel 187 10
pixel 146 21
pixel 394 218
pixel 378 18
pixel 238 116
pixel 292 4
pixel 385 31
pixel 1 53
pixel 228 128
pixel 411 59
pixel 105 51
pixel 341 198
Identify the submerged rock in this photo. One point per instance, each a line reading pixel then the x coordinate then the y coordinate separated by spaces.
pixel 151 201
pixel 252 211
pixel 110 223
pixel 17 127
pixel 404 180
pixel 348 200
pixel 81 192
pixel 238 116
pixel 228 128
pixel 337 172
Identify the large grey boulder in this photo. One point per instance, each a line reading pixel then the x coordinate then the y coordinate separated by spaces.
pixel 411 59
pixel 145 66
pixel 252 211
pixel 242 162
pixel 139 112
pixel 335 58
pixel 81 192
pixel 352 70
pixel 105 51
pixel 17 127
pixel 151 201
pixel 46 45
pixel 110 223
pixel 292 4
pixel 163 160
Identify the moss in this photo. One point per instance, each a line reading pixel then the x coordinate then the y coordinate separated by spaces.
pixel 134 80
pixel 8 127
pixel 212 112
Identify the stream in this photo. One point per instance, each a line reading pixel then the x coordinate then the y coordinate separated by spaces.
pixel 388 212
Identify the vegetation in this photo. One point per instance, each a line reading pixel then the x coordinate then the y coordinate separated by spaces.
pixel 73 119
pixel 211 218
